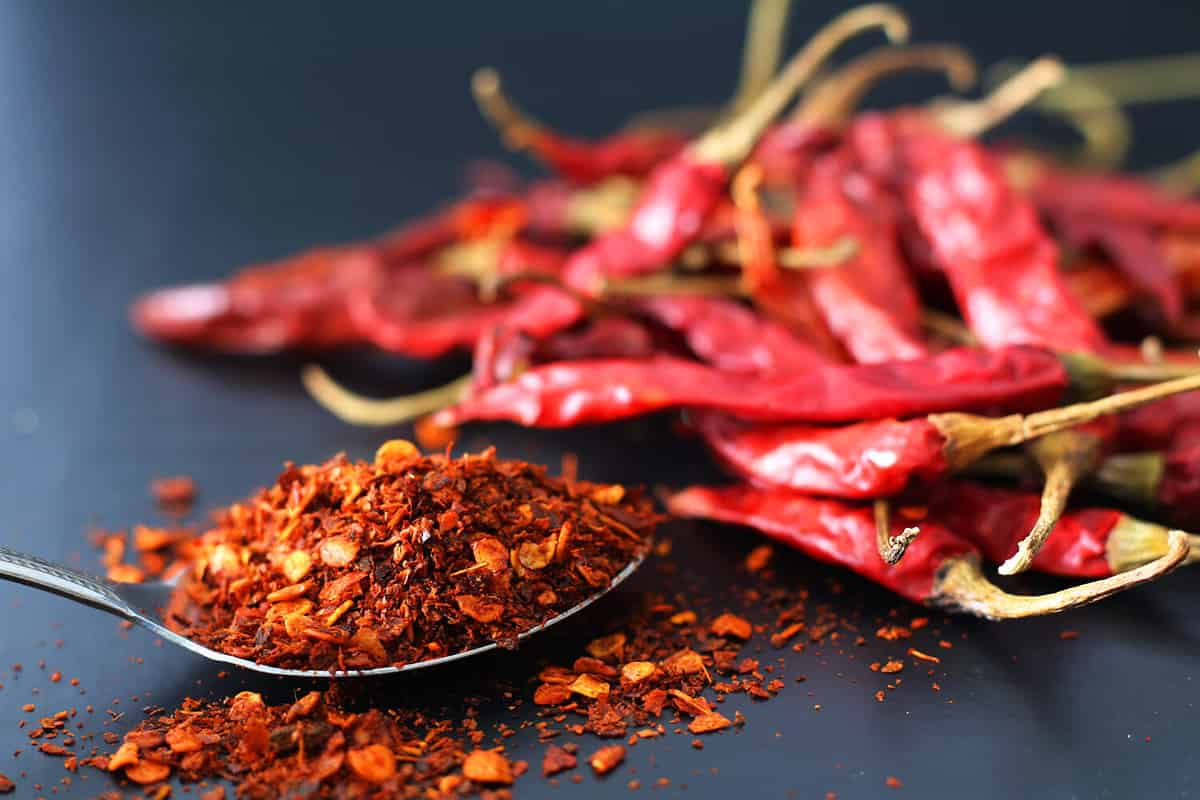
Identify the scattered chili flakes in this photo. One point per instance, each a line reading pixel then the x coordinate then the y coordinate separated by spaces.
pixel 606 759
pixel 1068 635
pixel 354 565
pixel 915 653
pixel 893 782
pixel 707 723
pixel 759 557
pixel 557 760
pixel 174 493
pixel 893 632
pixel 6 784
pixel 892 665
pixel 731 625
pixel 487 766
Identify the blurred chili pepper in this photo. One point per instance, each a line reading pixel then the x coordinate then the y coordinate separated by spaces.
pixel 986 238
pixel 1135 251
pixel 558 395
pixel 680 192
pixel 881 458
pixel 1111 197
pixel 729 336
pixel 868 301
pixel 301 301
pixel 1089 543
pixel 1167 480
pixel 941 568
pixel 629 153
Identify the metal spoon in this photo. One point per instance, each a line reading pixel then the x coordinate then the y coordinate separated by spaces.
pixel 142 602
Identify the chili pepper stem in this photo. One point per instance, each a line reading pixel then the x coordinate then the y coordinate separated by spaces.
pixel 356 409
pixel 765 33
pixel 968 437
pixel 970 119
pixel 833 100
pixel 961 585
pixel 730 142
pixel 516 129
pixel 1064 457
pixel 891 548
pixel 1133 542
pixel 1131 477
pixel 1094 373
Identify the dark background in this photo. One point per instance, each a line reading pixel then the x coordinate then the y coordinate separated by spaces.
pixel 148 143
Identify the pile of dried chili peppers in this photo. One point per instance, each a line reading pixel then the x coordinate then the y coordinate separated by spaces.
pixel 860 312
pixel 353 565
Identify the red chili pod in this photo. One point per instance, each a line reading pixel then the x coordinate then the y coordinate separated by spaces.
pixel 1086 543
pixel 940 568
pixel 561 395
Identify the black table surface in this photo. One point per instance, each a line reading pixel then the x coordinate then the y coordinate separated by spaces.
pixel 148 143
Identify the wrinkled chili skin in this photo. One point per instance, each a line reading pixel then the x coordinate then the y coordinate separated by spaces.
pixel 859 461
pixel 997 519
pixel 1153 426
pixel 1136 253
pixel 868 302
pixel 986 238
pixel 669 215
pixel 829 530
pixel 964 379
pixel 730 336
pixel 786 151
pixel 632 154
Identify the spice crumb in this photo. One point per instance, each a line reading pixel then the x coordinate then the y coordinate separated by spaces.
pixel 893 782
pixel 606 759
pixel 1068 635
pixel 915 653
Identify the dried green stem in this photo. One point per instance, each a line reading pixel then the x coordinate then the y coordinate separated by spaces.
pixel 961 585
pixel 765 33
pixel 972 118
pixel 369 412
pixel 730 142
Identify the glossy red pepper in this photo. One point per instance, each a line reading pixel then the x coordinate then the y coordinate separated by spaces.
pixel 940 568
pixel 986 238
pixel 1086 543
pixel 882 458
pixel 868 301
pixel 559 395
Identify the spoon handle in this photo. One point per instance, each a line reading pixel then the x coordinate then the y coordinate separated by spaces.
pixel 60 580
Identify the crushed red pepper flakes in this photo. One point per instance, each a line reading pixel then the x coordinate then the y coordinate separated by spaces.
pixel 893 782
pixel 915 653
pixel 556 760
pixel 402 559
pixel 892 665
pixel 1068 635
pixel 606 759
pixel 174 493
pixel 6 784
pixel 488 766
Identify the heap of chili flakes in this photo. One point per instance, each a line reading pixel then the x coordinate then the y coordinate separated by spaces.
pixel 354 565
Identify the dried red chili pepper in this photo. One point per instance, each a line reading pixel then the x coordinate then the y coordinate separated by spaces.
pixel 986 238
pixel 731 337
pixel 353 565
pixel 940 569
pixel 1135 251
pixel 559 395
pixel 681 191
pixel 868 301
pixel 301 301
pixel 1087 543
pixel 633 153
pixel 881 458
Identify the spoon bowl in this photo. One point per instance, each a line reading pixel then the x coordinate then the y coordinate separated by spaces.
pixel 141 603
